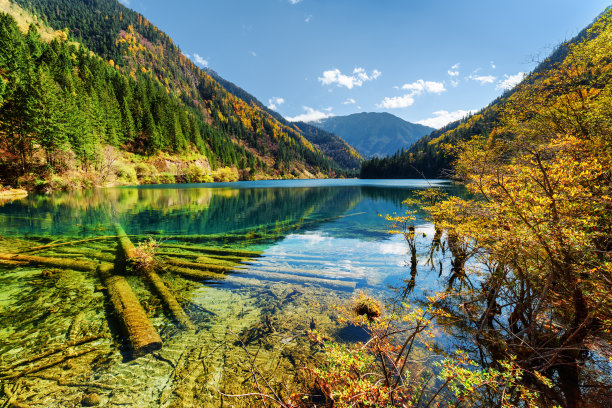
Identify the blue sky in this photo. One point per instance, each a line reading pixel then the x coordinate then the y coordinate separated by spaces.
pixel 428 62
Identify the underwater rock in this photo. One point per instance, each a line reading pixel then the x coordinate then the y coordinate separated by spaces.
pixel 91 400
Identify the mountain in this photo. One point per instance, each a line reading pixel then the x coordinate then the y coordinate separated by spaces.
pixel 432 156
pixel 374 134
pixel 332 145
pixel 78 78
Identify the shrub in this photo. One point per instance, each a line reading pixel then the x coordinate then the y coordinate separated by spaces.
pixel 195 173
pixel 126 173
pixel 225 174
pixel 144 170
pixel 153 179
pixel 166 178
pixel 143 257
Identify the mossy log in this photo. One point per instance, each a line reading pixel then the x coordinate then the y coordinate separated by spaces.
pixel 54 244
pixel 105 256
pixel 137 327
pixel 133 320
pixel 201 266
pixel 215 250
pixel 286 277
pixel 52 351
pixel 173 306
pixel 46 366
pixel 210 258
pixel 63 263
pixel 194 273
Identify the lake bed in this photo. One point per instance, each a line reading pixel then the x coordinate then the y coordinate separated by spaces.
pixel 293 252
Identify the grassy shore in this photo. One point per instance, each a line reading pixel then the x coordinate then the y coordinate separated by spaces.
pixel 117 168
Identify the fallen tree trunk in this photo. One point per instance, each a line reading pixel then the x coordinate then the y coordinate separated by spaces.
pixel 194 273
pixel 53 245
pixel 46 366
pixel 201 266
pixel 52 351
pixel 77 265
pixel 198 274
pixel 285 277
pixel 88 253
pixel 173 306
pixel 136 326
pixel 215 250
pixel 210 258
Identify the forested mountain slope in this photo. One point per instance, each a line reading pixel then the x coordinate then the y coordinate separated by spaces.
pixel 108 77
pixel 332 145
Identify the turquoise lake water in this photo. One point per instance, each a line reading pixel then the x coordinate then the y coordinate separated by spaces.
pixel 314 245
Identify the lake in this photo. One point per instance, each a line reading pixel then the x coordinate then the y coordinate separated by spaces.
pixel 281 256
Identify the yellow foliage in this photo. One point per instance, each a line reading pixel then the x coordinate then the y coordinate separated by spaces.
pixel 541 215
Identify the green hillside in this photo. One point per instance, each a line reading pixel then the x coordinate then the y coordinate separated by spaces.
pixel 332 145
pixel 108 79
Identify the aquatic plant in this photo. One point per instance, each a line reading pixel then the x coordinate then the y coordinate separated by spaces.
pixel 143 256
pixel 364 305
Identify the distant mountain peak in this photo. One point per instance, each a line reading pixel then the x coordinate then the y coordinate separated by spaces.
pixel 374 133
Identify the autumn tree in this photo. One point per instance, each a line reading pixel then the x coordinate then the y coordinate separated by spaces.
pixel 539 227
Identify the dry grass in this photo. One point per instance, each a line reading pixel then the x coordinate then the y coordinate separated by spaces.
pixel 25 18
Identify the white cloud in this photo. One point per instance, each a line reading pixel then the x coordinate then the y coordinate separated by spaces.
pixel 421 86
pixel 454 70
pixel 358 77
pixel 125 2
pixel 510 81
pixel 307 19
pixel 253 53
pixel 396 102
pixel 443 117
pixel 416 88
pixel 483 79
pixel 200 61
pixel 294 1
pixel 275 102
pixel 349 101
pixel 311 115
pixel 454 83
pixel 493 66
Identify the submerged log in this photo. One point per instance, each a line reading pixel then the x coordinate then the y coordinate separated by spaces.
pixel 88 253
pixel 46 366
pixel 173 306
pixel 277 277
pixel 195 273
pixel 207 258
pixel 54 244
pixel 133 320
pixel 215 250
pixel 64 263
pixel 201 266
pixel 52 351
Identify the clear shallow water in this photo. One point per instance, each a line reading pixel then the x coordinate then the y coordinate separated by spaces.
pixel 319 241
